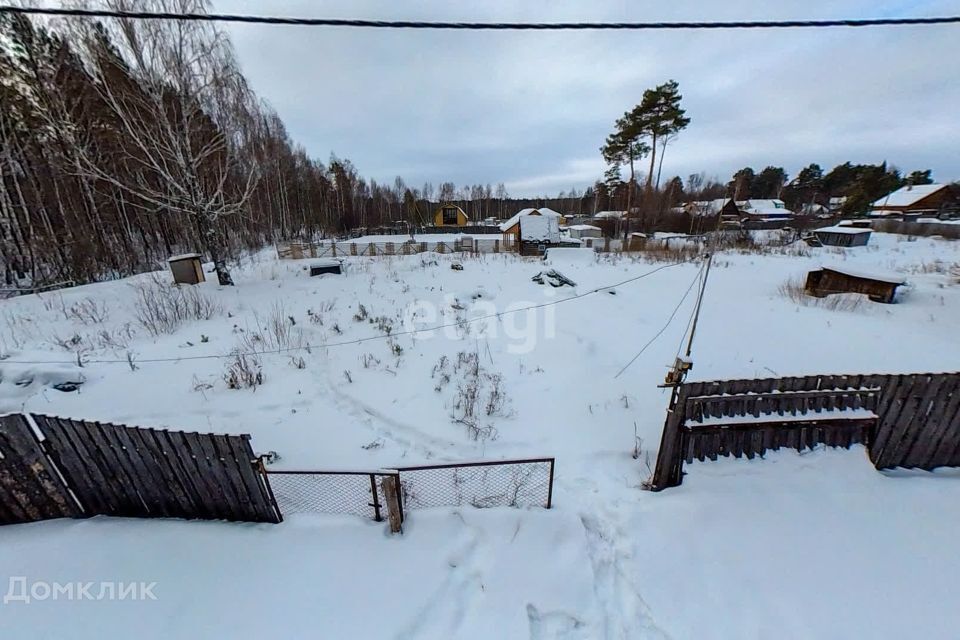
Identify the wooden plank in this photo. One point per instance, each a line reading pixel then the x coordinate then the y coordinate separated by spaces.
pixel 204 495
pixel 228 467
pixel 918 429
pixel 948 419
pixel 111 434
pixel 905 409
pixel 180 483
pixel 176 454
pixel 668 471
pixel 261 508
pixel 148 486
pixel 124 498
pixel 69 452
pixel 216 493
pixel 217 475
pixel 143 459
pixel 174 495
pixel 889 412
pixel 30 486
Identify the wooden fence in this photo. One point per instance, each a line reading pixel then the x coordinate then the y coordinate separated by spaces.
pixel 30 487
pixel 331 249
pixel 910 420
pixel 76 468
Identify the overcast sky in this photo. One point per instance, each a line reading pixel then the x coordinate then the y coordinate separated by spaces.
pixel 530 109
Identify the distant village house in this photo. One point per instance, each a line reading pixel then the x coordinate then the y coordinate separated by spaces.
pixel 933 200
pixel 449 215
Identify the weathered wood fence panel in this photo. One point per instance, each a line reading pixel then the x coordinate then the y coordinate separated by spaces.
pixel 915 419
pixel 83 468
pixel 30 487
pixel 920 424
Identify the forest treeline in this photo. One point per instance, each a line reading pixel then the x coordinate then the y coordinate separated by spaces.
pixel 123 142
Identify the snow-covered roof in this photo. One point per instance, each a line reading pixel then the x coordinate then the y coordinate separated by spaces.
pixel 892 278
pixel 775 212
pixel 609 214
pixel 543 211
pixel 583 227
pixel 183 256
pixel 708 207
pixel 839 229
pixel 908 195
pixel 755 205
pixel 884 212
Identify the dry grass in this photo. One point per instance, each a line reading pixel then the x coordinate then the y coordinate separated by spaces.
pixel 163 308
pixel 793 289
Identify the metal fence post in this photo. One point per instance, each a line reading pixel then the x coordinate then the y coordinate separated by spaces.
pixel 550 486
pixel 400 497
pixel 376 498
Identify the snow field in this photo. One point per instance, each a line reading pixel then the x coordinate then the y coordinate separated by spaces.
pixel 793 546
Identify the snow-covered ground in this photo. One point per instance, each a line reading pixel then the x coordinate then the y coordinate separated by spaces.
pixel 793 546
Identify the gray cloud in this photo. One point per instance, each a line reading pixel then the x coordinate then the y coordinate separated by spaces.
pixel 531 109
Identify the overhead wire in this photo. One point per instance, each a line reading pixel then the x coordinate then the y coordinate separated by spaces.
pixel 659 333
pixel 482 26
pixel 381 336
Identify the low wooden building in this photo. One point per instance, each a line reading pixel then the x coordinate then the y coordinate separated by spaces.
pixel 449 215
pixel 842 236
pixel 836 279
pixel 186 268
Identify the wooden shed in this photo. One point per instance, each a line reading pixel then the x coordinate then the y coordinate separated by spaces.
pixel 449 215
pixel 186 268
pixel 842 236
pixel 836 279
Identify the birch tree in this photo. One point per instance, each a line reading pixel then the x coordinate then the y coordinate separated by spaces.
pixel 174 94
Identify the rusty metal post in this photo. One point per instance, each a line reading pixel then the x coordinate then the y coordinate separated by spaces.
pixel 376 498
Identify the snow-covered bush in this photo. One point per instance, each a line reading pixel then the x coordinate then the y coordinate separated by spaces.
pixel 162 308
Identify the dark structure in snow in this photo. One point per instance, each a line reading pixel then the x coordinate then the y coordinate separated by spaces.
pixel 325 266
pixel 186 269
pixel 827 280
pixel 847 236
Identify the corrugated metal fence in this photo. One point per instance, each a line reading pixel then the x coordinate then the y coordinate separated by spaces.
pixel 906 420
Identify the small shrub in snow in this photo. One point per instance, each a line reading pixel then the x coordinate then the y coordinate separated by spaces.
pixel 383 323
pixel 298 362
pixel 88 311
pixel 441 373
pixel 369 360
pixel 479 396
pixel 276 332
pixel 361 314
pixel 243 372
pixel 394 347
pixel 347 376
pixel 162 308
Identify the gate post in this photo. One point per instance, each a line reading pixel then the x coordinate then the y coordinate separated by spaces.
pixel 391 492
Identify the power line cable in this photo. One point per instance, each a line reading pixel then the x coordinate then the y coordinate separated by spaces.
pixel 381 336
pixel 686 293
pixel 480 26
